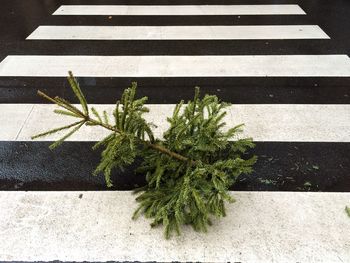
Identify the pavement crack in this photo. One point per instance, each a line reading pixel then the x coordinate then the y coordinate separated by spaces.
pixel 25 122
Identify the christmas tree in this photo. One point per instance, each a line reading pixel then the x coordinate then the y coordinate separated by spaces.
pixel 188 171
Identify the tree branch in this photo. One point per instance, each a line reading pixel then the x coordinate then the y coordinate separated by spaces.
pixel 87 118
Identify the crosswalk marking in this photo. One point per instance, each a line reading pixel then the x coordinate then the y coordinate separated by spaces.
pixel 177 32
pixel 308 143
pixel 182 10
pixel 178 66
pixel 264 122
pixel 60 226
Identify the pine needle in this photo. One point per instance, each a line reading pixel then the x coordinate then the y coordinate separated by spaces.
pixel 105 117
pixel 60 141
pixel 77 91
pixel 96 114
pixel 347 210
pixel 67 105
pixel 67 113
pixel 55 130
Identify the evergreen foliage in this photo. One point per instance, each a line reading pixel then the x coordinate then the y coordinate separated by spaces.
pixel 188 172
pixel 347 210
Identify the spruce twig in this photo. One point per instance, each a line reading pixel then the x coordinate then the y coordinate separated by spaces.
pixel 77 91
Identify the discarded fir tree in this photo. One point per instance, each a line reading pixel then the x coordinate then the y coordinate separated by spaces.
pixel 188 172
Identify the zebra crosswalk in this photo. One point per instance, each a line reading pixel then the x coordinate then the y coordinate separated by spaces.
pixel 288 80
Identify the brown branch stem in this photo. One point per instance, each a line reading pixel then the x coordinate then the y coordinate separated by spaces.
pixel 154 146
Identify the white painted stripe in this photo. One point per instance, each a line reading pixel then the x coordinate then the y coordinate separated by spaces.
pixel 12 119
pixel 263 122
pixel 178 66
pixel 259 227
pixel 177 32
pixel 181 10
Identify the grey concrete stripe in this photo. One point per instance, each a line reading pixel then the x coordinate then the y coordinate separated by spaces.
pixel 177 32
pixel 182 10
pixel 259 227
pixel 263 122
pixel 178 66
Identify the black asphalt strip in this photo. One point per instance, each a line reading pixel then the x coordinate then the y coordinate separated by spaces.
pixel 161 90
pixel 282 166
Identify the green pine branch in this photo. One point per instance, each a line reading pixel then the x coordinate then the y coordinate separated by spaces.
pixel 188 172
